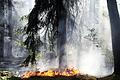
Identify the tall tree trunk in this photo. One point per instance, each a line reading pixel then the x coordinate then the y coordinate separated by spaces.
pixel 1 28
pixel 115 26
pixel 8 29
pixel 61 12
pixel 61 43
pixel 10 18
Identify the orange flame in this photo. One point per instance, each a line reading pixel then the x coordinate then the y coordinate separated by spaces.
pixel 52 73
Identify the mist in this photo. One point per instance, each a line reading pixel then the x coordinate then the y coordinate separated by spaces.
pixel 88 45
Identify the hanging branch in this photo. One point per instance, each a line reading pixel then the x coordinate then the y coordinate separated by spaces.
pixel 45 14
pixel 36 23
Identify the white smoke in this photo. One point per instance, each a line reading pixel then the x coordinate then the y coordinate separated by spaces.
pixel 89 48
pixel 81 52
pixel 20 9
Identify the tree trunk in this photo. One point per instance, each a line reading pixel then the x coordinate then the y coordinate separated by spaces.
pixel 8 29
pixel 1 28
pixel 115 26
pixel 61 43
pixel 61 12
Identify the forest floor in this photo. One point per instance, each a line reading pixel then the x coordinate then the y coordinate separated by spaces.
pixel 80 77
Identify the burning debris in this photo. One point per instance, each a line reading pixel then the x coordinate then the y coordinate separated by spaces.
pixel 52 73
pixel 65 74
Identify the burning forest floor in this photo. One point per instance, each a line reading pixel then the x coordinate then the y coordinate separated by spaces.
pixel 80 77
pixel 29 75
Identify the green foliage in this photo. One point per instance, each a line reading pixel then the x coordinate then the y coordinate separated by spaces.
pixel 20 43
pixel 19 31
pixel 25 17
pixel 39 55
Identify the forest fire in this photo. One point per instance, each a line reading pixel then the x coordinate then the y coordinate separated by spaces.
pixel 52 73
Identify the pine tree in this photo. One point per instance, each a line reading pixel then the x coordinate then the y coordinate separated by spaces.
pixel 115 26
pixel 54 10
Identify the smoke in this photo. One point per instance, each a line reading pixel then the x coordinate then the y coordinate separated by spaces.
pixel 88 44
pixel 89 47
pixel 20 11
